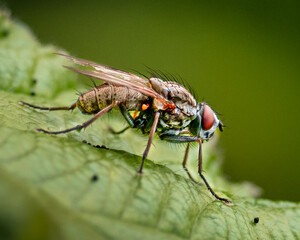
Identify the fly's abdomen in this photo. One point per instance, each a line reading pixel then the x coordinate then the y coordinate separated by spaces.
pixel 103 95
pixel 87 102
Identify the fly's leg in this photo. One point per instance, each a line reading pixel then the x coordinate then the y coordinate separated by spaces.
pixel 151 135
pixel 185 161
pixel 182 139
pixel 118 132
pixel 178 139
pixel 128 118
pixel 203 178
pixel 85 124
pixel 126 115
pixel 48 108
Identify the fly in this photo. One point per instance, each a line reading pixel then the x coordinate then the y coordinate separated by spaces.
pixel 150 104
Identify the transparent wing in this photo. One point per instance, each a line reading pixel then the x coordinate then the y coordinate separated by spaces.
pixel 118 81
pixel 108 70
pixel 119 78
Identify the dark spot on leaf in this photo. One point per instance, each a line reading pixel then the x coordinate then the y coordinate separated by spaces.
pixel 94 178
pixel 256 220
pixel 4 33
pixel 84 141
pixel 32 93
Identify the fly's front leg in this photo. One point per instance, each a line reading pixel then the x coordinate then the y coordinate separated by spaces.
pixel 48 108
pixel 185 161
pixel 178 139
pixel 85 124
pixel 182 139
pixel 204 179
pixel 128 118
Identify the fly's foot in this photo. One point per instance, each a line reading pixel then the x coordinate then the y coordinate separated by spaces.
pixel 117 132
pixel 224 200
pixel 228 203
pixel 37 130
pixel 110 129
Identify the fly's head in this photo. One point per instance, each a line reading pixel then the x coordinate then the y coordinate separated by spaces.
pixel 206 122
pixel 209 121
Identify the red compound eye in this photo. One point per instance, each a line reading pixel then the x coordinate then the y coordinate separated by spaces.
pixel 208 118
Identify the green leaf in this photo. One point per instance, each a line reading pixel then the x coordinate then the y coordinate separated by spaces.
pixel 48 187
pixel 27 66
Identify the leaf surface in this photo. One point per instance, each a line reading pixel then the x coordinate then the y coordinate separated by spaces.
pixel 57 187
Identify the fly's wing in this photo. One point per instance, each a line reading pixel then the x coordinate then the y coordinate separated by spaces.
pixel 108 70
pixel 117 81
pixel 120 78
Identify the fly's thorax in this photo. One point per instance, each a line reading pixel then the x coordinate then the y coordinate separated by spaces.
pixel 175 119
pixel 176 93
pixel 159 86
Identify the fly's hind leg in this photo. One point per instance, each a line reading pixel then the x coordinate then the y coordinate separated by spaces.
pixel 85 124
pixel 178 139
pixel 128 118
pixel 48 108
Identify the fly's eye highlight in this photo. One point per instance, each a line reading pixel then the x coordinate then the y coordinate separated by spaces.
pixel 208 118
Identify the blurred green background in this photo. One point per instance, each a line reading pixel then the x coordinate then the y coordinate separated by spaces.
pixel 242 57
